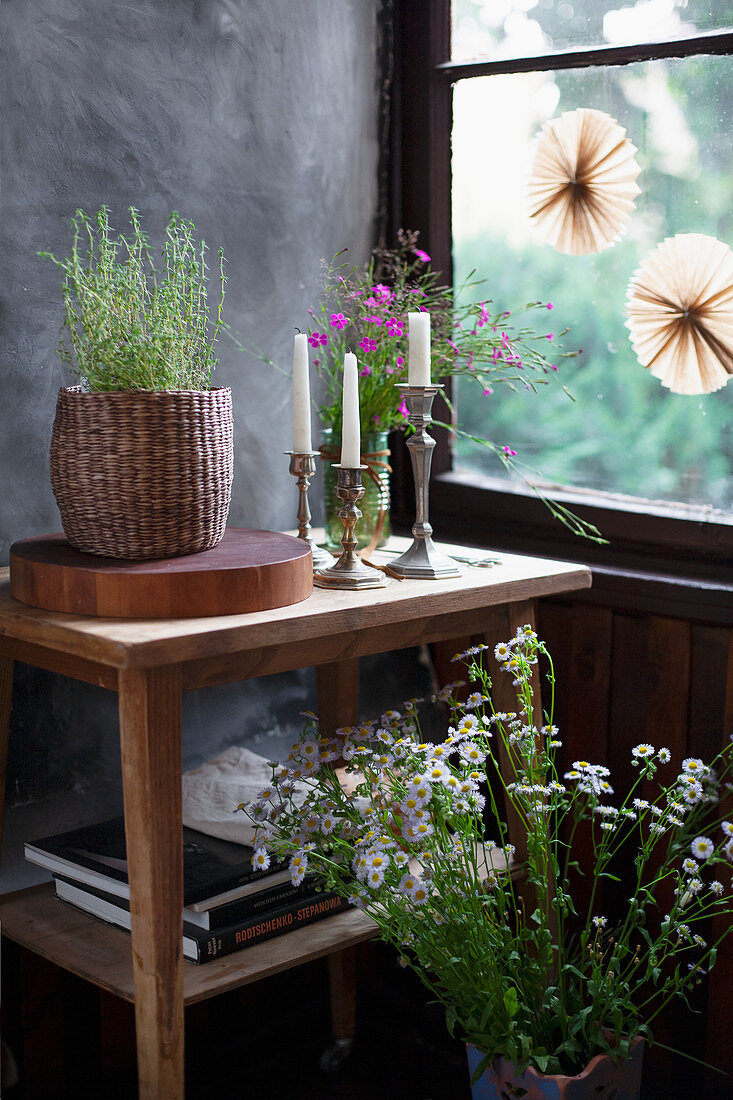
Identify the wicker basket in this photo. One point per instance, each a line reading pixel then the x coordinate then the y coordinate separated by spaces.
pixel 145 474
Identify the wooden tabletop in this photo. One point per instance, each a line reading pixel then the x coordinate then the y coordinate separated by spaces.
pixel 142 643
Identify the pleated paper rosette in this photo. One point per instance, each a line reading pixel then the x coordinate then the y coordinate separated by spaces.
pixel 680 313
pixel 583 181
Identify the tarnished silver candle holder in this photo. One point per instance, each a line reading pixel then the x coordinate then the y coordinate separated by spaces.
pixel 349 571
pixel 423 560
pixel 303 467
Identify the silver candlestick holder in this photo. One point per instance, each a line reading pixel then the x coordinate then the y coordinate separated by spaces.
pixel 303 467
pixel 349 571
pixel 423 560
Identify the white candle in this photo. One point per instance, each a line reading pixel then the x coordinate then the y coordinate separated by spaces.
pixel 418 370
pixel 350 432
pixel 301 397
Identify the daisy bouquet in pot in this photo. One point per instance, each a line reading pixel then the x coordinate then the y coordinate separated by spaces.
pixel 529 959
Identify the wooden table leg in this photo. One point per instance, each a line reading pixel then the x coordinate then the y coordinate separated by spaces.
pixel 6 700
pixel 337 688
pixel 150 737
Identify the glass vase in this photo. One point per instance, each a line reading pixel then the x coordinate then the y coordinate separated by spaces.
pixel 372 530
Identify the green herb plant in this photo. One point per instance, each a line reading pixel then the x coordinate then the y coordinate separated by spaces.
pixel 129 325
pixel 539 973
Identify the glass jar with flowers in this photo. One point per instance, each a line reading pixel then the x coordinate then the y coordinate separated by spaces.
pixel 364 310
pixel 550 986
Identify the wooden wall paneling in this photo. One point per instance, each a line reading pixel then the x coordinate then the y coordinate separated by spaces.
pixel 718 650
pixel 649 696
pixel 580 641
pixel 649 703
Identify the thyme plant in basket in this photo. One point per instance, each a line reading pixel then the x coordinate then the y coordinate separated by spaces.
pixel 524 971
pixel 130 325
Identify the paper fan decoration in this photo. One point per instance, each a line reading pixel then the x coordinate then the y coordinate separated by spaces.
pixel 583 182
pixel 680 313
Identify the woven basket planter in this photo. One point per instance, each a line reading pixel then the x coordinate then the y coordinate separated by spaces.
pixel 144 474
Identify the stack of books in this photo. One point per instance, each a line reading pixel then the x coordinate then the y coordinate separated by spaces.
pixel 226 904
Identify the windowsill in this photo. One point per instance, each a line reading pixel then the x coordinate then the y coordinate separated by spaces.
pixel 669 561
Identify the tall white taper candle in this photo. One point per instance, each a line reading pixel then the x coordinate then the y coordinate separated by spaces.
pixel 301 397
pixel 418 368
pixel 350 432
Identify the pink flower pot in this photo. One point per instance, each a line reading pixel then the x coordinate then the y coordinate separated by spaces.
pixel 602 1079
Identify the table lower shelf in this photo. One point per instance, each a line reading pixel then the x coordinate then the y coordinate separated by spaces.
pixel 100 953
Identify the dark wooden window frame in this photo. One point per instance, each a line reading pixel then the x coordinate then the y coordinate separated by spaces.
pixel 659 559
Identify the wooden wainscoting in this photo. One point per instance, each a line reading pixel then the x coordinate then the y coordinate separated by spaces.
pixel 623 678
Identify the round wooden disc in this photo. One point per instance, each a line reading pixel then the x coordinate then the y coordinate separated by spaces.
pixel 248 571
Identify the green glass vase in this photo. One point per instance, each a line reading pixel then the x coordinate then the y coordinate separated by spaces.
pixel 373 528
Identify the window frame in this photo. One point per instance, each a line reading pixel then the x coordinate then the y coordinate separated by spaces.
pixel 683 549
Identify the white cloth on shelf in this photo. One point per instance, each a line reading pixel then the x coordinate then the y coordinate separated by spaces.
pixel 212 792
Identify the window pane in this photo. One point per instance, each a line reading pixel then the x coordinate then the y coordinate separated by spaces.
pixel 625 432
pixel 493 29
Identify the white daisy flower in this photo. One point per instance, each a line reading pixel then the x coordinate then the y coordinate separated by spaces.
pixel 436 773
pixel 693 766
pixel 702 847
pixel 257 811
pixel 502 652
pixel 693 793
pixel 727 827
pixel 446 693
pixel 664 756
pixel 641 804
pixel 689 866
pixel 420 894
pixel 600 922
pixel 297 874
pixel 716 888
pixel 260 859
pixel 418 788
pixel 407 884
pixel 472 753
pixel 375 878
pixel 642 751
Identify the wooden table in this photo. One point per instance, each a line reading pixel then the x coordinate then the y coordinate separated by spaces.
pixel 149 663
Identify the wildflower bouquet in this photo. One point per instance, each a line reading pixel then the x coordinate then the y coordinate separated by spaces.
pixel 523 976
pixel 364 310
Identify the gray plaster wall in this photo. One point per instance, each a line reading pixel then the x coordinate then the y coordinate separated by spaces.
pixel 256 119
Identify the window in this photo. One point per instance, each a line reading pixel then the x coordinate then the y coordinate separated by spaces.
pixel 654 469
